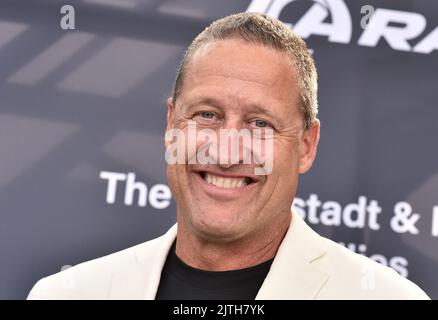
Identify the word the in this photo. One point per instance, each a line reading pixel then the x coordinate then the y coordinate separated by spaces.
pixel 159 195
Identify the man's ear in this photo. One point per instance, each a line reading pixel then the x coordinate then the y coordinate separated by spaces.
pixel 308 147
pixel 170 114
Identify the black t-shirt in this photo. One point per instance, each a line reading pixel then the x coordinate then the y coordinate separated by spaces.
pixel 182 282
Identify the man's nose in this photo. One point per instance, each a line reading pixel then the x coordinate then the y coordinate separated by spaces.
pixel 234 144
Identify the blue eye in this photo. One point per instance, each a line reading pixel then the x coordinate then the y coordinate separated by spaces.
pixel 207 114
pixel 261 123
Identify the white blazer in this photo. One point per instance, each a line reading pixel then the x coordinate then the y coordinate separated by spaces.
pixel 307 266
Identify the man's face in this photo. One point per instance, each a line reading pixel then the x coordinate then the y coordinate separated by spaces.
pixel 231 84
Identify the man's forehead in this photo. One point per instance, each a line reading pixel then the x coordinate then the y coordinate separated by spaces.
pixel 243 60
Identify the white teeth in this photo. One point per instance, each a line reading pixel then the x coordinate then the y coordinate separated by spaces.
pixel 226 183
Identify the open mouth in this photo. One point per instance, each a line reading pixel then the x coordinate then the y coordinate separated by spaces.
pixel 226 182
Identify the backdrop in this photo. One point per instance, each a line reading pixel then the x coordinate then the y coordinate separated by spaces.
pixel 82 119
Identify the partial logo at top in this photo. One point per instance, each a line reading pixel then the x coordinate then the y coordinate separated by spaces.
pixel 402 30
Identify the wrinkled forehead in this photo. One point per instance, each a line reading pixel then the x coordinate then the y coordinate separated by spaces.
pixel 248 72
pixel 242 59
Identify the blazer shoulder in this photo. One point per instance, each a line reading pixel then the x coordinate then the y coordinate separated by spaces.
pixel 354 276
pixel 93 279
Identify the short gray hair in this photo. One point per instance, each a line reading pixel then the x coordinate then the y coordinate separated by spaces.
pixel 262 29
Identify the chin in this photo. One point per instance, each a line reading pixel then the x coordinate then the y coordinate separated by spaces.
pixel 219 226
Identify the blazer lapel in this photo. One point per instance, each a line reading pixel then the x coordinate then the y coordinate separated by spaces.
pixel 293 274
pixel 140 279
pixel 153 262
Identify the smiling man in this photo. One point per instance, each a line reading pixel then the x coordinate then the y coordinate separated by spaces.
pixel 236 237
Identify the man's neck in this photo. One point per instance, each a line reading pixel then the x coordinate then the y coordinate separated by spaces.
pixel 216 255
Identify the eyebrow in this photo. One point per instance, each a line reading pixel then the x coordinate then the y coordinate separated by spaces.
pixel 204 101
pixel 262 110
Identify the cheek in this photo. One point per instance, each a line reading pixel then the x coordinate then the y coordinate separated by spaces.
pixel 172 180
pixel 286 173
pixel 176 178
pixel 286 156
